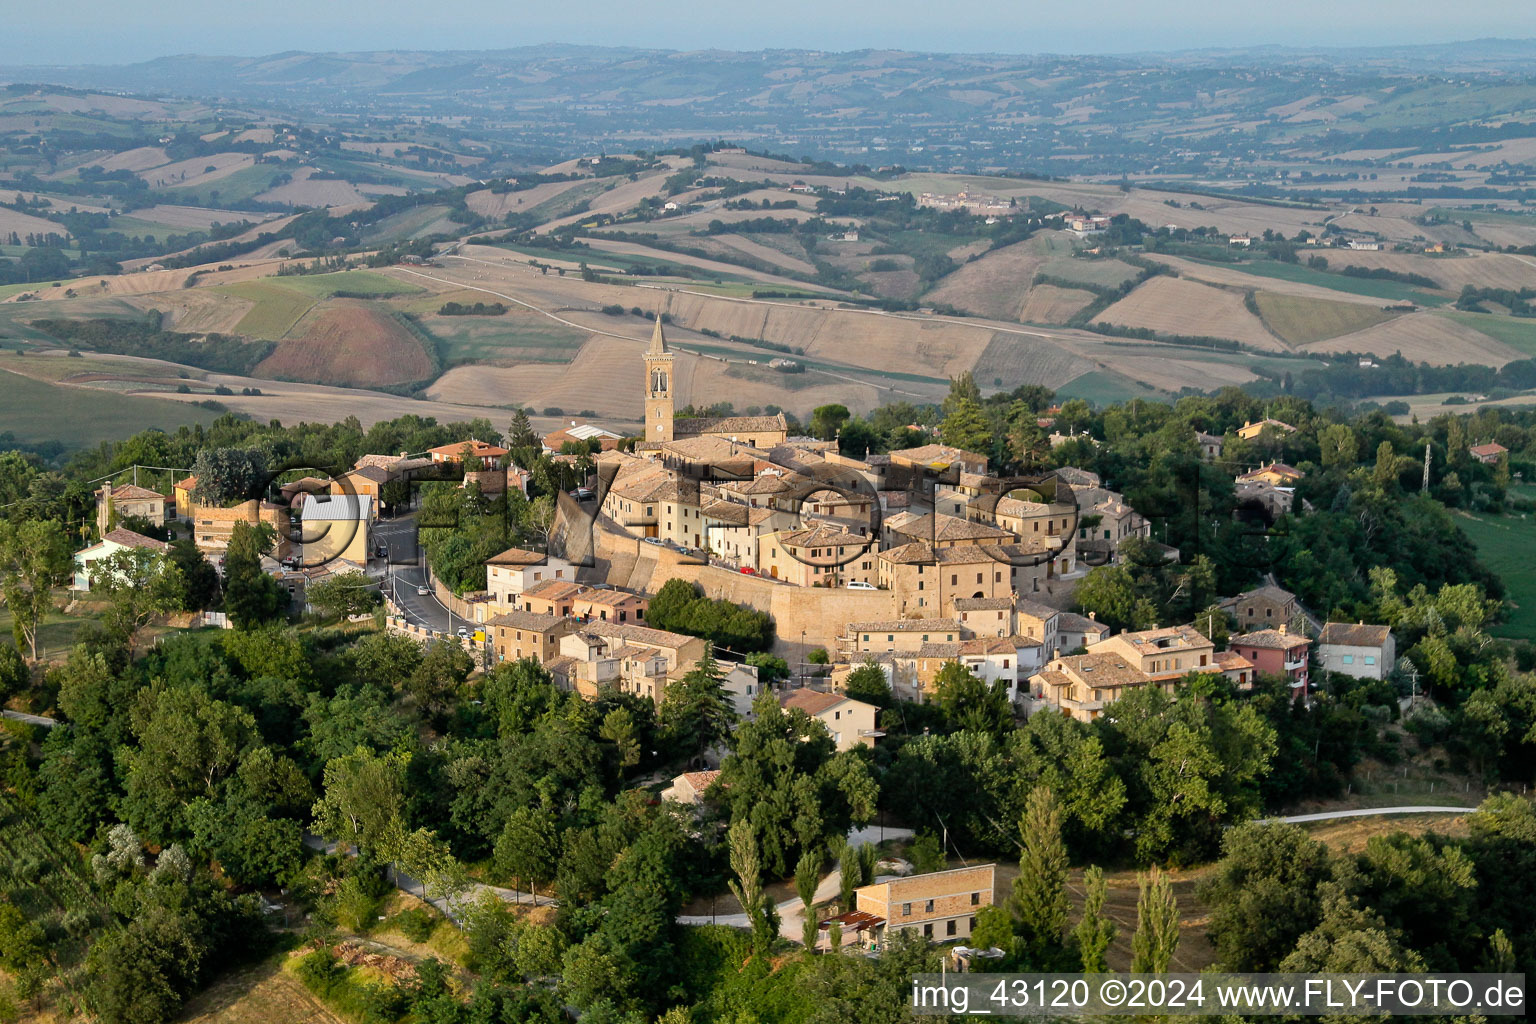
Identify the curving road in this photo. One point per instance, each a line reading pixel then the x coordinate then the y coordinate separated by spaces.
pixel 1365 812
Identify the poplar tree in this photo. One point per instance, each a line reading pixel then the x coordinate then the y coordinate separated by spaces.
pixel 1157 925
pixel 1095 932
pixel 1040 892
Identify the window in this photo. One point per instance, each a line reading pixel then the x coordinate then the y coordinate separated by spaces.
pixel 1269 613
pixel 1349 659
pixel 975 899
pixel 928 907
pixel 906 910
pixel 950 927
pixel 1370 659
pixel 954 579
pixel 978 577
pixel 973 924
pixel 927 931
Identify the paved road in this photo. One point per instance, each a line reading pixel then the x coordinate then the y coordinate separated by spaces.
pixel 1366 812
pixel 22 716
pixel 403 575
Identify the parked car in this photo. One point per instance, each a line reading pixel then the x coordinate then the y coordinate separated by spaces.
pixel 748 570
pixel 583 494
pixel 464 632
pixel 423 590
pixel 861 585
pixel 651 540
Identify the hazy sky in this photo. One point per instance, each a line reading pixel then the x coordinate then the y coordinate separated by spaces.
pixel 95 31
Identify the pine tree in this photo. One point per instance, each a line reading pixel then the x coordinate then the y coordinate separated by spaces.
pixel 1040 892
pixel 1095 932
pixel 1157 925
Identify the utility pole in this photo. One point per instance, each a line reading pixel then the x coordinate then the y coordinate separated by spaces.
pixel 1425 486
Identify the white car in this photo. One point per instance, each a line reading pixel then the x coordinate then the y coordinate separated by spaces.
pixel 464 632
pixel 861 585
pixel 423 590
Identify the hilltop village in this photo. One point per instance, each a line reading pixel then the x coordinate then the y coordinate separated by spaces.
pixel 912 562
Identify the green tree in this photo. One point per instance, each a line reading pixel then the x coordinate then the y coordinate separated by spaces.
pixel 251 597
pixel 34 557
pixel 1095 933
pixel 1040 900
pixel 696 712
pixel 228 475
pixel 346 593
pixel 1157 924
pixel 620 729
pixel 384 659
pixel 363 801
pixel 1027 443
pixel 140 583
pixel 526 849
pixel 1338 446
pixel 1263 894
pixel 747 887
pixel 868 684
pixel 967 428
pixel 200 581
pixel 969 703
pixel 807 878
pixel 14 676
pixel 436 680
pixel 994 929
pixel 1109 594
pixel 827 420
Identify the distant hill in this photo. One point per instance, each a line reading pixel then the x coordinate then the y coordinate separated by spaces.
pixel 1057 113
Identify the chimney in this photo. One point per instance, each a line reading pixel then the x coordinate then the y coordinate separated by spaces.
pixel 1284 629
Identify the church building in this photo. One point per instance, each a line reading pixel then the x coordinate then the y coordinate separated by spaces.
pixel 660 390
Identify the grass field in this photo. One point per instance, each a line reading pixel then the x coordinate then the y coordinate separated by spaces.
pixel 37 411
pixel 1509 544
pixel 1389 290
pixel 1516 332
pixel 355 282
pixel 1105 387
pixel 278 307
pixel 1300 321
pixel 516 337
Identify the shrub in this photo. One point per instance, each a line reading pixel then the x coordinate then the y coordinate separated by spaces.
pixel 415 924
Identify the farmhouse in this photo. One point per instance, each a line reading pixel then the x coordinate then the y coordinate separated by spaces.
pixel 1250 430
pixel 942 905
pixel 1276 652
pixel 111 542
pixel 1357 649
pixel 128 501
pixel 1488 454
pixel 851 722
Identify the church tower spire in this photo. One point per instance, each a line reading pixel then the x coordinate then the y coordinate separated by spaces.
pixel 658 387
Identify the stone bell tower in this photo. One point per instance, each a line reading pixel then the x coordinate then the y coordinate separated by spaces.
pixel 658 387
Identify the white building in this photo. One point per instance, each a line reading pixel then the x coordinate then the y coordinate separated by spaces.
pixel 1357 649
pixel 115 541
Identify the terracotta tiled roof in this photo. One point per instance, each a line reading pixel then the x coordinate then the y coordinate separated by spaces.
pixel 1270 639
pixel 812 702
pixel 1352 634
pixel 907 626
pixel 128 539
pixel 982 604
pixel 133 492
pixel 518 556
pixel 527 620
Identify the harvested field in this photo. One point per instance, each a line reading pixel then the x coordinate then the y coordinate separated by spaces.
pixel 1517 332
pixel 996 285
pixel 607 375
pixel 1171 305
pixel 136 160
pixel 635 249
pixel 894 284
pixel 499 204
pixel 193 172
pixel 303 191
pixel 767 254
pixel 1302 321
pixel 616 200
pixel 185 218
pixel 261 994
pixel 1424 337
pixel 196 310
pixel 1484 270
pixel 414 223
pixel 1048 304
pixel 1010 360
pixel 25 224
pixel 352 344
pixel 1230 276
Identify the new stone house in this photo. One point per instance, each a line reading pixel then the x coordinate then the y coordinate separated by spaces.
pixel 941 905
